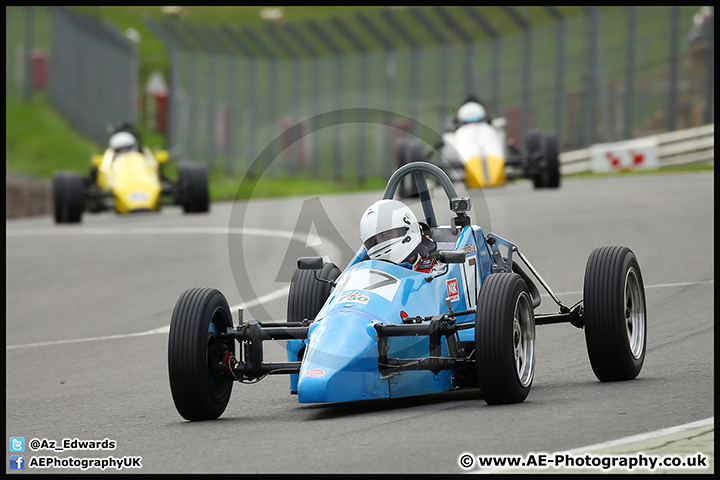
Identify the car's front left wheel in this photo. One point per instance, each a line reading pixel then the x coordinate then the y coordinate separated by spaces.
pixel 614 313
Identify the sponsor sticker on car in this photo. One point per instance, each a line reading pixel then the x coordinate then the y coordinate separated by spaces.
pixel 355 297
pixel 467 248
pixel 452 289
pixel 315 372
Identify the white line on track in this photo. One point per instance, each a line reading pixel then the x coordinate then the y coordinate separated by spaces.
pixel 274 295
pixel 279 293
pixel 41 232
pixel 642 436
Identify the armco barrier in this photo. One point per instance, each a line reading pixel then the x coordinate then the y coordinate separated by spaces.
pixel 694 145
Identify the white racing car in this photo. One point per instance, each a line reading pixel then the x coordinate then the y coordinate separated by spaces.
pixel 475 149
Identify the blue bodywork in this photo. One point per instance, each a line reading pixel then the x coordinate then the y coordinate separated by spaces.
pixel 340 355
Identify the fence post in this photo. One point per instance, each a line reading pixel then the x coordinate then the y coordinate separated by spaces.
pixel 247 115
pixel 172 122
pixel 444 58
pixel 710 85
pixel 273 94
pixel 414 66
pixel 209 50
pixel 27 60
pixel 315 83
pixel 630 73
pixel 495 36
pixel 467 40
pixel 189 51
pixel 389 87
pixel 231 61
pixel 591 80
pixel 293 153
pixel 559 71
pixel 339 81
pixel 525 117
pixel 674 40
pixel 362 174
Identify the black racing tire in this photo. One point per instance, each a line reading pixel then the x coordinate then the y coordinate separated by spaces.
pixel 193 347
pixel 534 145
pixel 408 151
pixel 504 339
pixel 614 313
pixel 68 197
pixel 552 161
pixel 307 295
pixel 193 182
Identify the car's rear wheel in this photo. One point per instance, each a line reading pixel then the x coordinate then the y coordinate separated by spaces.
pixel 68 197
pixel 408 151
pixel 194 351
pixel 307 294
pixel 552 161
pixel 533 145
pixel 193 181
pixel 614 314
pixel 505 339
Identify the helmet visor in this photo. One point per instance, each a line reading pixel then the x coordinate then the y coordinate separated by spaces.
pixel 385 236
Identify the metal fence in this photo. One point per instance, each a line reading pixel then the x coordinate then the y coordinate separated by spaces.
pixel 331 97
pixel 88 68
pixel 27 49
pixel 600 76
pixel 93 79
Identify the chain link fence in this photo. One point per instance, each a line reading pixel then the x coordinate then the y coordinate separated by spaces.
pixel 596 77
pixel 607 74
pixel 27 51
pixel 93 74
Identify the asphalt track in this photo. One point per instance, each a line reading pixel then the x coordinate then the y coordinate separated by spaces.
pixel 88 308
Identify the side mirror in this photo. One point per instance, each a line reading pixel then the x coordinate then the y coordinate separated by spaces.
pixel 312 263
pixel 96 160
pixel 162 156
pixel 452 257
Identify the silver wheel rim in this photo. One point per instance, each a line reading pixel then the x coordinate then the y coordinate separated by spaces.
pixel 524 339
pixel 634 313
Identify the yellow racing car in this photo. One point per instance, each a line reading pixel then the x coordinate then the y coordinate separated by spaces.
pixel 129 178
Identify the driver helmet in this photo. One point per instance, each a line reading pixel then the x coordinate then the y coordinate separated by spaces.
pixel 471 112
pixel 390 231
pixel 123 142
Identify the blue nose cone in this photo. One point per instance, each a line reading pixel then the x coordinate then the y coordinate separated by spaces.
pixel 341 361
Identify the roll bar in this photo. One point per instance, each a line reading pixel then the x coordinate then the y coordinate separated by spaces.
pixel 418 169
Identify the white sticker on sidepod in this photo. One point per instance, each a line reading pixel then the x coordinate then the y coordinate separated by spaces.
pixel 139 197
pixel 355 297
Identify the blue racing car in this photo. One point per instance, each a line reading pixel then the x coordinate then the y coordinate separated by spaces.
pixel 421 308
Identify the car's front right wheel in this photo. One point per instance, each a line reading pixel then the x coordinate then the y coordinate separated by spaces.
pixel 68 197
pixel 193 182
pixel 195 349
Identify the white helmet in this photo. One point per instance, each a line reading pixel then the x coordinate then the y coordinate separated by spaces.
pixel 471 112
pixel 122 140
pixel 389 231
